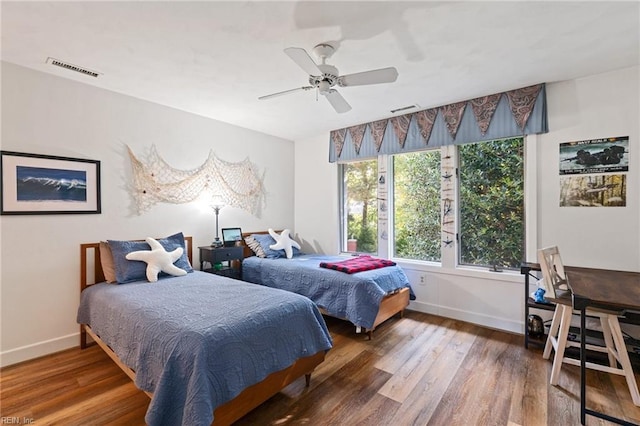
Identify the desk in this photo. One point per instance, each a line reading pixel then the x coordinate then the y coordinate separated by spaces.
pixel 600 288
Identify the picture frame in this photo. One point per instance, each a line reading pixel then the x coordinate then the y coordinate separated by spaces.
pixel 47 184
pixel 231 236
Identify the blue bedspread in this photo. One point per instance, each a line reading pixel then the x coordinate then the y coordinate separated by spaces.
pixel 197 341
pixel 355 297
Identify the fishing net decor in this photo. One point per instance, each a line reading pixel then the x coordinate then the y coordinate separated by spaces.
pixel 238 184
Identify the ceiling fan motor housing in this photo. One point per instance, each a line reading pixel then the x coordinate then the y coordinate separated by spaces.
pixel 327 80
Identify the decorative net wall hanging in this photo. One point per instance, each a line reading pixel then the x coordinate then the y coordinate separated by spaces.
pixel 238 184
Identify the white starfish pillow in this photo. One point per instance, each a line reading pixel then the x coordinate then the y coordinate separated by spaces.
pixel 283 242
pixel 158 259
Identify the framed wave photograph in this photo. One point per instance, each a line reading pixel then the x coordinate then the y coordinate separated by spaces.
pixel 45 184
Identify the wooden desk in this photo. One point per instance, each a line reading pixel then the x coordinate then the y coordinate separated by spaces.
pixel 602 288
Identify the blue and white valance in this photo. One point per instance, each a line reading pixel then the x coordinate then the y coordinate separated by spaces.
pixel 514 113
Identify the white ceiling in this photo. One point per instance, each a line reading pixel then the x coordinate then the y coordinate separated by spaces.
pixel 216 58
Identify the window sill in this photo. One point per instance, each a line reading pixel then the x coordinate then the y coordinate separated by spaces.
pixel 435 268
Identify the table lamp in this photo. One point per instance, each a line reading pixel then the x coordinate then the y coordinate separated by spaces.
pixel 216 205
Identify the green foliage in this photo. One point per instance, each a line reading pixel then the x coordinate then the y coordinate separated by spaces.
pixel 492 203
pixel 417 205
pixel 361 186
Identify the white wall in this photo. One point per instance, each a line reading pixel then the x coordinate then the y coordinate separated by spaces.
pixel 605 105
pixel 45 114
pixel 40 267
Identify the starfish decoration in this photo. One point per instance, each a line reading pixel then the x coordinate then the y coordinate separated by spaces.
pixel 283 242
pixel 158 259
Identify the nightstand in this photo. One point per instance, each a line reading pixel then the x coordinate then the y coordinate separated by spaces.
pixel 229 257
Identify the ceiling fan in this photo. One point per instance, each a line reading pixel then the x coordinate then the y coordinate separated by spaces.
pixel 324 77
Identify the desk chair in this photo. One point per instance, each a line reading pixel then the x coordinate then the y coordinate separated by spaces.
pixel 557 291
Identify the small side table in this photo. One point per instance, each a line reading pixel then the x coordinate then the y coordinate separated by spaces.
pixel 230 258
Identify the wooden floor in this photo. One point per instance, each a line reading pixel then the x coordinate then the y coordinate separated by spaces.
pixel 417 370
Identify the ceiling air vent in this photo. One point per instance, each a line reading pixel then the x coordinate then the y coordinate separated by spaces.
pixel 393 111
pixel 72 67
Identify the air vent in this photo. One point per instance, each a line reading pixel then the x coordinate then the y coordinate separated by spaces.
pixel 72 67
pixel 393 111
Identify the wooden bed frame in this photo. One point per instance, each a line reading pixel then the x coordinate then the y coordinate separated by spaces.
pixel 390 305
pixel 231 411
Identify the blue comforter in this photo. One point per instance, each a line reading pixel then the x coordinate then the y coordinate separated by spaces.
pixel 197 341
pixel 355 297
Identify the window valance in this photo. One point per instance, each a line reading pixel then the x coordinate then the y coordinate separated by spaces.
pixel 502 115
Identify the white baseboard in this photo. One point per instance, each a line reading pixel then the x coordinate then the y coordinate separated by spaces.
pixel 468 316
pixel 35 350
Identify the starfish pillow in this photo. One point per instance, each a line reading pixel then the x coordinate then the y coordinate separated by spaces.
pixel 283 242
pixel 158 259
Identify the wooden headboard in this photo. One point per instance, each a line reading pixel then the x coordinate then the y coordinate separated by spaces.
pixel 91 268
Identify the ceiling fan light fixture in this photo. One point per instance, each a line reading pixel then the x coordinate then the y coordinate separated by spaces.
pixel 324 87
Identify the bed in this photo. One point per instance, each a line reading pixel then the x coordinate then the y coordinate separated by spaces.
pixel 206 348
pixel 366 299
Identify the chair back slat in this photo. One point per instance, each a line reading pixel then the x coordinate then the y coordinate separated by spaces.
pixel 553 275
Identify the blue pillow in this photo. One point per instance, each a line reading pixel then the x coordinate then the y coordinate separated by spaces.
pixel 265 240
pixel 133 270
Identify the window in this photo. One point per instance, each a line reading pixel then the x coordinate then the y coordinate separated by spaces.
pixel 468 198
pixel 359 206
pixel 416 205
pixel 491 200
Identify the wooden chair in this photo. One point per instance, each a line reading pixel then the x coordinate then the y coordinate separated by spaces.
pixel 557 291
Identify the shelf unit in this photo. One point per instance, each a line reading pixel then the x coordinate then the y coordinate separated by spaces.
pixel 526 269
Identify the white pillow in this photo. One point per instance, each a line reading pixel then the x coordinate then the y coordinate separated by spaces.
pixel 158 259
pixel 283 242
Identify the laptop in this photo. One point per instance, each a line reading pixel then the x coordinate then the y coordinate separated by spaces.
pixel 230 236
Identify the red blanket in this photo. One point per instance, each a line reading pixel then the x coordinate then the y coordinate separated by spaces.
pixel 357 264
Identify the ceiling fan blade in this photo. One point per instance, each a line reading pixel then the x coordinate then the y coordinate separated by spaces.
pixel 337 101
pixel 304 61
pixel 383 75
pixel 275 95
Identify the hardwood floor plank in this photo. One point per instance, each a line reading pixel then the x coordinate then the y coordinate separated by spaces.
pixel 533 408
pixel 419 357
pixel 421 333
pixel 107 408
pixel 395 332
pixel 426 396
pixel 363 383
pixel 379 410
pixel 476 394
pixel 418 370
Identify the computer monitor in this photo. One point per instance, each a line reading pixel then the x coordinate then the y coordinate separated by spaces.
pixel 230 236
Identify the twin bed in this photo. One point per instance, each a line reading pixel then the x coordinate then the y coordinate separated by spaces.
pixel 208 349
pixel 366 299
pixel 205 348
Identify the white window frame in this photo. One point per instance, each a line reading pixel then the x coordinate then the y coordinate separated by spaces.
pixel 449 255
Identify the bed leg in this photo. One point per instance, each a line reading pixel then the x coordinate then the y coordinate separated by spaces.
pixel 307 379
pixel 370 333
pixel 83 337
